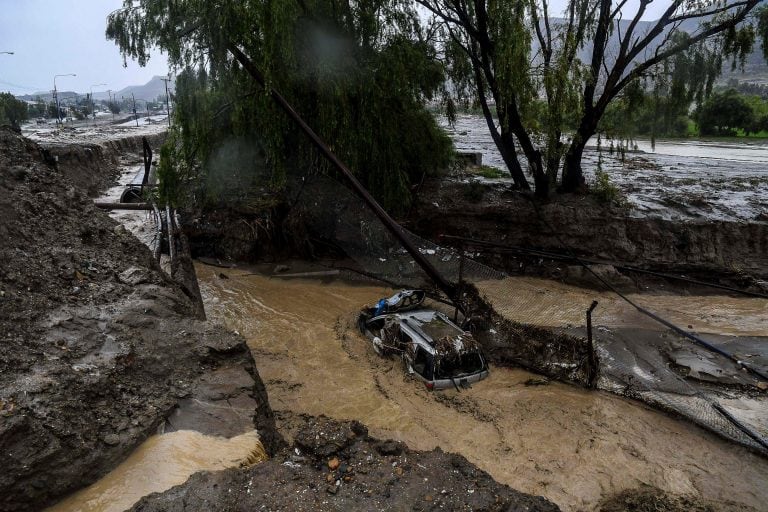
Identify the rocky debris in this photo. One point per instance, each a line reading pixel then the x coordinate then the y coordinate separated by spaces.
pixel 337 466
pixel 97 345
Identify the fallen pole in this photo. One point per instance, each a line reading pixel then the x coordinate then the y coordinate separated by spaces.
pixel 122 206
pixel 394 228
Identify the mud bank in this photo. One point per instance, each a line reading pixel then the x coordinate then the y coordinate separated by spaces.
pixel 337 466
pixel 99 347
pixel 606 233
pixel 91 167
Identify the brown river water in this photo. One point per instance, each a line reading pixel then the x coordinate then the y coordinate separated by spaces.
pixel 162 462
pixel 573 446
pixel 554 304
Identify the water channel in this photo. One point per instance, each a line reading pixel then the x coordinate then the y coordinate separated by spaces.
pixel 573 446
pixel 570 445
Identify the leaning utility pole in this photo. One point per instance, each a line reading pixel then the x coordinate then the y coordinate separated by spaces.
pixel 167 103
pixel 394 228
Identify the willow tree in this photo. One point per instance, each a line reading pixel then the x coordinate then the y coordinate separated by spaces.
pixel 345 65
pixel 515 52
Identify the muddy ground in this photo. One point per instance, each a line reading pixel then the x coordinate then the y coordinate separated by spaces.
pixel 101 350
pixel 707 249
pixel 337 466
pixel 99 347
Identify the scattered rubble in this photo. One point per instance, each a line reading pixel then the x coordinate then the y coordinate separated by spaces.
pixel 338 466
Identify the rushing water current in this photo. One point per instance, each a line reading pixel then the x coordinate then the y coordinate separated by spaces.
pixel 570 445
pixel 162 462
pixel 573 446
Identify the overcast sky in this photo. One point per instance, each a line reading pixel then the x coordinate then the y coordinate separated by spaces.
pixel 53 37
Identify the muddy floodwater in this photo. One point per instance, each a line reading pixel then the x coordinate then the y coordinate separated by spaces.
pixel 162 462
pixel 570 445
pixel 553 304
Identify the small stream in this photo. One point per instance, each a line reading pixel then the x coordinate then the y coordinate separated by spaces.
pixel 161 462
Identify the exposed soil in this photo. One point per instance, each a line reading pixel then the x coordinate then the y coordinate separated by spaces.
pixel 98 345
pixel 606 233
pixel 337 466
pixel 101 349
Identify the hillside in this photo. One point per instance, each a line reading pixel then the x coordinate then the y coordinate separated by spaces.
pixel 149 91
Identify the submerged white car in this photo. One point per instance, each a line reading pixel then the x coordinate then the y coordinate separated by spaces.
pixel 434 349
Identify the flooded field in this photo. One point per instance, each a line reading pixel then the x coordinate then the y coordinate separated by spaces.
pixel 573 446
pixel 686 179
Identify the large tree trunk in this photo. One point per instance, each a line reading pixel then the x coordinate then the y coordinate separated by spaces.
pixel 573 177
pixel 539 176
pixel 511 123
pixel 553 156
pixel 506 145
pixel 504 141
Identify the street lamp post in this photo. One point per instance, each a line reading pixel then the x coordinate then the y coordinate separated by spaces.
pixel 167 103
pixel 93 105
pixel 56 96
pixel 109 91
pixel 135 115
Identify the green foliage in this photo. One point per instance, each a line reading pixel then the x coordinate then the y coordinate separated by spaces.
pixel 604 190
pixel 762 29
pixel 724 114
pixel 169 173
pixel 488 172
pixel 474 192
pixel 12 111
pixel 345 66
pixel 37 109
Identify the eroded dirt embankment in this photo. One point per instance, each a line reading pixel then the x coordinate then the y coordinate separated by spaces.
pixel 100 349
pixel 92 166
pixel 492 214
pixel 337 466
pixel 98 345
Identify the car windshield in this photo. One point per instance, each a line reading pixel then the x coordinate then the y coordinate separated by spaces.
pixel 465 364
